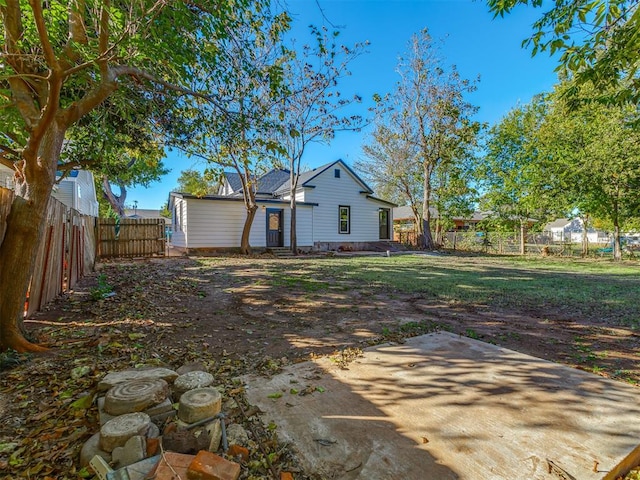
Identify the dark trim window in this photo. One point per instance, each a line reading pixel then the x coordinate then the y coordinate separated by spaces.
pixel 344 219
pixel 336 173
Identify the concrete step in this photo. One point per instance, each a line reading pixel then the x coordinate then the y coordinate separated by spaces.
pixel 281 252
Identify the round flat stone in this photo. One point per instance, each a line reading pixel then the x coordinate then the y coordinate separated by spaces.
pixel 198 404
pixel 135 396
pixel 117 431
pixel 192 380
pixel 114 378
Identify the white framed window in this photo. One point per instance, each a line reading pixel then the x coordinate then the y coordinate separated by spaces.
pixel 344 219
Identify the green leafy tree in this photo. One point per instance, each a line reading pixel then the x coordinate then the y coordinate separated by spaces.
pixel 252 88
pixel 197 183
pixel 312 109
pixel 593 158
pixel 121 142
pixel 61 61
pixel 390 164
pixel 598 43
pixel 453 195
pixel 511 174
pixel 430 113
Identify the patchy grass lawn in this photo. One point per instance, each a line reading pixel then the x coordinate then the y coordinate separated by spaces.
pixel 237 314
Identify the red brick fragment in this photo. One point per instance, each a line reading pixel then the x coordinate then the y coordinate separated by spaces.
pixel 235 450
pixel 209 466
pixel 153 445
pixel 172 463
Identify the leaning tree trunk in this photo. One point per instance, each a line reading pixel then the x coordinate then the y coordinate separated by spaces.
pixel 116 201
pixel 245 248
pixel 24 232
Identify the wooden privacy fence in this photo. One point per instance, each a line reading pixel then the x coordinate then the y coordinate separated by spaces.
pixel 66 253
pixel 6 197
pixel 131 237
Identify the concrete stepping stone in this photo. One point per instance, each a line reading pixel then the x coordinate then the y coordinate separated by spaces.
pixel 118 430
pixel 135 396
pixel 198 404
pixel 114 378
pixel 192 380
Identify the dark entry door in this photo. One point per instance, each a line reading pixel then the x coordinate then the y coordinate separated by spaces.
pixel 274 227
pixel 383 215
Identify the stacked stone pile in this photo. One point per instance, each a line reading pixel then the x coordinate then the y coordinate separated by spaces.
pixel 139 420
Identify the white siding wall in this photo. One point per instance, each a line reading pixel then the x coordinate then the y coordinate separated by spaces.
pixel 178 221
pixel 86 200
pixel 65 192
pixel 218 224
pixel 78 193
pixel 331 192
pixel 304 226
pixel 6 177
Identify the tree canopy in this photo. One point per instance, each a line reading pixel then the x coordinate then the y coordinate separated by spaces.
pixel 597 40
pixel 429 114
pixel 312 108
pixel 61 62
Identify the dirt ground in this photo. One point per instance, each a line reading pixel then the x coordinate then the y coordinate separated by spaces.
pixel 232 318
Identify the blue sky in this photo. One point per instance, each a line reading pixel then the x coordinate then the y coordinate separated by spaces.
pixel 474 41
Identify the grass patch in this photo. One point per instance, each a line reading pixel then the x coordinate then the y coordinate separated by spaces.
pixel 589 288
pixel 592 289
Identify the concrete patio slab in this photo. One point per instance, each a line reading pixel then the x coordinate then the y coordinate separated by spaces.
pixel 442 406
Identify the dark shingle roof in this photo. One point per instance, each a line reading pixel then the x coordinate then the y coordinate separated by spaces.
pixel 234 180
pixel 272 181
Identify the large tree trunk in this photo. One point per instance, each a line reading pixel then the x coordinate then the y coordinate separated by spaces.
pixel 427 239
pixel 245 248
pixel 25 228
pixel 523 237
pixel 617 247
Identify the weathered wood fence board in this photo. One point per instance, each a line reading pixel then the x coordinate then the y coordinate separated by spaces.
pixel 66 253
pixel 131 237
pixel 6 198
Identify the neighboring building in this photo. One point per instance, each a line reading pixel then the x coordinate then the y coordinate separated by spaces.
pixel 6 177
pixel 403 219
pixel 570 230
pixel 336 209
pixel 144 213
pixel 77 190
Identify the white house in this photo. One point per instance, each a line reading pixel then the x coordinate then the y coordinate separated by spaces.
pixel 77 190
pixel 6 177
pixel 570 230
pixel 336 209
